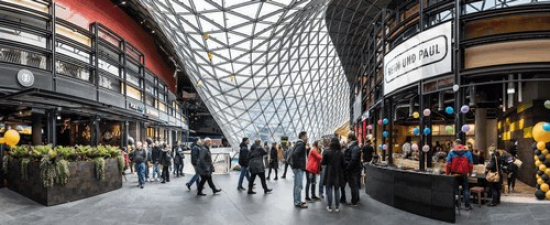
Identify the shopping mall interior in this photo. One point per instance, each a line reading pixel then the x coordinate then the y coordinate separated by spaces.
pixel 386 111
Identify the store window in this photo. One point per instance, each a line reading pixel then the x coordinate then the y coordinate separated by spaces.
pixel 111 83
pixel 72 70
pixel 133 92
pixel 485 5
pixel 133 80
pixel 15 56
pixel 72 51
pixel 21 36
pixel 72 34
pixel 150 100
pixel 109 68
pixel 162 106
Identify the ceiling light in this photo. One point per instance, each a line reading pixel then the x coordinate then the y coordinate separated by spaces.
pixel 123 3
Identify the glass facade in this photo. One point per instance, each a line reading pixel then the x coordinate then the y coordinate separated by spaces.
pixel 265 69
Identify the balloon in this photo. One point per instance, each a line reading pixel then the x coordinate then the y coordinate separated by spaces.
pixel 547 171
pixel 449 129
pixel 414 147
pixel 539 173
pixel 538 163
pixel 544 152
pixel 540 195
pixel 385 121
pixel 381 147
pixel 538 177
pixel 548 195
pixel 544 178
pixel 544 188
pixel 539 134
pixel 540 181
pixel 536 157
pixel 385 147
pixel 534 146
pixel 416 115
pixel 369 127
pixel 547 164
pixel 547 104
pixel 449 110
pixel 538 152
pixel 380 122
pixel 416 131
pixel 2 140
pixel 542 167
pixel 547 157
pixel 11 137
pixel 465 128
pixel 455 88
pixel 427 131
pixel 541 145
pixel 541 157
pixel 546 127
pixel 427 112
pixel 464 109
pixel 385 134
pixel 426 148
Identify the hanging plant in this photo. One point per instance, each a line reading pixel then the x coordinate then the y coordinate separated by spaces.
pixel 48 171
pixel 62 172
pixel 121 163
pixel 25 168
pixel 99 168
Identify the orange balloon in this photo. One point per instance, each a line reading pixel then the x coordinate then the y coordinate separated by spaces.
pixel 11 137
pixel 542 167
pixel 540 134
pixel 544 188
pixel 541 145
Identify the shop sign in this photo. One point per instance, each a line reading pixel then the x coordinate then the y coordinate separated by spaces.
pixel 422 56
pixel 152 112
pixel 25 78
pixel 133 106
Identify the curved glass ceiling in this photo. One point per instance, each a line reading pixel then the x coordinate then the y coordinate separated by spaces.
pixel 265 69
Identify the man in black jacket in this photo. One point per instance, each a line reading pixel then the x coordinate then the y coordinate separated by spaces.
pixel 354 167
pixel 298 167
pixel 256 166
pixel 195 150
pixel 155 158
pixel 243 162
pixel 205 168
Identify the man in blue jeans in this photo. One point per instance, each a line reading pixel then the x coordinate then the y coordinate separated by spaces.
pixel 139 155
pixel 298 167
pixel 460 164
pixel 243 162
pixel 195 150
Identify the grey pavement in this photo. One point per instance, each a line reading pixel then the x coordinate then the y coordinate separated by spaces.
pixel 171 203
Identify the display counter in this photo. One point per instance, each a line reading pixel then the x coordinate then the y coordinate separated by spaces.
pixel 424 194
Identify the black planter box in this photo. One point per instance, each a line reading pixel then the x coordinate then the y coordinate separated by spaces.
pixel 82 182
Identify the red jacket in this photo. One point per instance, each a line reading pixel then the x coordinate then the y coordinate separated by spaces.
pixel 313 161
pixel 459 161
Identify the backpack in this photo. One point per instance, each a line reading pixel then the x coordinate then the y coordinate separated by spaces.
pixel 289 156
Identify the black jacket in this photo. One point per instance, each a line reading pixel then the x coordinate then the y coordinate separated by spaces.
pixel 243 156
pixel 333 159
pixel 274 163
pixel 368 152
pixel 256 163
pixel 492 166
pixel 299 156
pixel 354 163
pixel 204 164
pixel 195 150
pixel 139 156
pixel 165 157
pixel 155 155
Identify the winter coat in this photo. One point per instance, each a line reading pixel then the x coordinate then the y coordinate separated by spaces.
pixel 313 162
pixel 166 157
pixel 195 151
pixel 333 159
pixel 368 152
pixel 459 161
pixel 256 164
pixel 155 155
pixel 299 156
pixel 243 156
pixel 353 156
pixel 138 156
pixel 274 163
pixel 204 162
pixel 178 155
pixel 492 166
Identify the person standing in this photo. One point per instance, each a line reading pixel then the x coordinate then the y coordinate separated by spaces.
pixel 287 150
pixel 353 169
pixel 166 161
pixel 155 158
pixel 205 168
pixel 368 152
pixel 333 160
pixel 347 159
pixel 244 162
pixel 460 164
pixel 406 148
pixel 495 165
pixel 139 157
pixel 178 156
pixel 325 147
pixel 312 170
pixel 273 161
pixel 195 150
pixel 298 167
pixel 257 168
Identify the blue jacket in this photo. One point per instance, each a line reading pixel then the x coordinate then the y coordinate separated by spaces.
pixel 195 150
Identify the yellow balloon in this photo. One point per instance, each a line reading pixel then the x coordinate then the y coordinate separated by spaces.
pixel 542 167
pixel 416 115
pixel 548 195
pixel 544 188
pixel 545 152
pixel 2 140
pixel 537 176
pixel 548 157
pixel 547 171
pixel 540 134
pixel 540 181
pixel 536 157
pixel 11 137
pixel 538 163
pixel 541 145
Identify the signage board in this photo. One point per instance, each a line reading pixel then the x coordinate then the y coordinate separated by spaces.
pixel 25 78
pixel 422 56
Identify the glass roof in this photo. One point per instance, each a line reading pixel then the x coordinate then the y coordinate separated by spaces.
pixel 265 69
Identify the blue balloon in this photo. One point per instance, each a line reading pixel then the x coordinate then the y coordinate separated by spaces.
pixel 416 131
pixel 449 110
pixel 546 126
pixel 385 134
pixel 385 121
pixel 427 131
pixel 381 147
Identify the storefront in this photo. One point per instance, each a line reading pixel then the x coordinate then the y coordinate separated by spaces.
pixel 486 88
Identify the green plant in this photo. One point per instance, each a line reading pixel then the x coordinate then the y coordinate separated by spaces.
pixel 25 168
pixel 47 171
pixel 121 163
pixel 99 168
pixel 62 172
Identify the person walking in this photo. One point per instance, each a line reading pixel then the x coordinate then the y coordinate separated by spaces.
pixel 495 165
pixel 178 156
pixel 273 161
pixel 312 169
pixel 195 150
pixel 166 161
pixel 325 147
pixel 205 168
pixel 257 168
pixel 460 164
pixel 287 150
pixel 139 157
pixel 333 160
pixel 155 159
pixel 353 169
pixel 298 167
pixel 244 162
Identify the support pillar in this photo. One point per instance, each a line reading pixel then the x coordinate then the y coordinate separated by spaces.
pixel 50 127
pixel 480 129
pixel 37 128
pixel 429 137
pixel 422 137
pixel 390 144
pixel 94 131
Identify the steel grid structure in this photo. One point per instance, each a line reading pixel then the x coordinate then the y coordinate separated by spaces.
pixel 265 69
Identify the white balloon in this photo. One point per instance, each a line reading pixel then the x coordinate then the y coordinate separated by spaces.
pixel 426 148
pixel 414 147
pixel 456 87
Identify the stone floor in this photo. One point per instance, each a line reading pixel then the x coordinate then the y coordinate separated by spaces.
pixel 171 203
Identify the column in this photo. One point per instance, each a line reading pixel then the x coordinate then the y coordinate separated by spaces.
pixel 480 129
pixel 37 129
